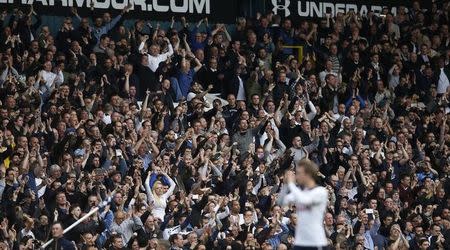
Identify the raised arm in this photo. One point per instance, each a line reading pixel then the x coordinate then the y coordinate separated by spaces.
pixel 139 142
pixel 313 112
pixel 169 45
pixel 442 132
pixel 405 156
pixel 258 185
pixel 361 175
pixel 186 44
pixel 171 187
pixel 142 44
pixel 109 26
pixel 314 144
pixel 75 13
pixel 172 22
pixel 127 82
pixel 148 188
pixel 144 105
pixel 281 146
pixel 155 33
pixel 269 145
pixel 298 196
pixel 378 155
pixel 198 65
pixel 347 175
pixel 227 35
pixel 285 198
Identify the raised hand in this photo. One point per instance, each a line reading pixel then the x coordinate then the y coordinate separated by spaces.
pixel 127 8
pixel 74 11
pixel 12 234
pixel 289 177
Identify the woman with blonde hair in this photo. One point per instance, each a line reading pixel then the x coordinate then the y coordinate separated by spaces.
pixel 157 196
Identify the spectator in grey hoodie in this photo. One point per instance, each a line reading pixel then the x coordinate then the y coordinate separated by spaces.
pixel 245 135
pixel 299 151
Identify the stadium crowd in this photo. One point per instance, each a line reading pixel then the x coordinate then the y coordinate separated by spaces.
pixel 182 134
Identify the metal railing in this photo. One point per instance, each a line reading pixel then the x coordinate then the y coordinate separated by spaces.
pixel 300 51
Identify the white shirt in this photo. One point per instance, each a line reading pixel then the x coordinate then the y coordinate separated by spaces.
pixel 443 82
pixel 311 206
pixel 25 232
pixel 352 192
pixel 159 203
pixel 106 119
pixel 376 66
pixel 373 153
pixel 264 136
pixel 174 230
pixel 190 96
pixel 241 91
pixel 50 77
pixel 154 61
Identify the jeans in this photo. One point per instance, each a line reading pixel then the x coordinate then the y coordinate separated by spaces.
pixel 176 88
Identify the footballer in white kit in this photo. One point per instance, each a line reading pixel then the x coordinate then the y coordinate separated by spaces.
pixel 311 202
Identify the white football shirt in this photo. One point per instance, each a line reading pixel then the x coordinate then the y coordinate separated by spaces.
pixel 311 205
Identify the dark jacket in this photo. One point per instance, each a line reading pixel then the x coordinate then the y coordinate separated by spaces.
pixel 26 32
pixel 61 244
